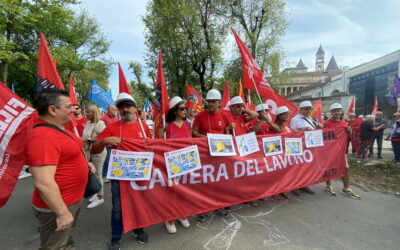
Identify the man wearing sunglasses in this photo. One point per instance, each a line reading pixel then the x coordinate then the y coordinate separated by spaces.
pixel 240 116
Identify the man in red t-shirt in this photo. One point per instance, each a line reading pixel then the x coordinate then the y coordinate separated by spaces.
pixel 239 116
pixel 213 120
pixel 111 116
pixel 59 170
pixel 336 122
pixel 263 125
pixel 127 128
pixel 79 119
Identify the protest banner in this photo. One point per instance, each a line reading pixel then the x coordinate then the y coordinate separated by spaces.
pixel 224 181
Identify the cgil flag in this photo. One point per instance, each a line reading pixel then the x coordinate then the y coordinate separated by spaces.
pixel 123 83
pixel 99 96
pixel 16 121
pixel 72 93
pixel 352 107
pixel 316 111
pixel 194 100
pixel 253 78
pixel 249 103
pixel 162 99
pixel 226 97
pixel 48 76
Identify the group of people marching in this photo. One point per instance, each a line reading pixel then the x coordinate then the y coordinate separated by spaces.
pixel 59 170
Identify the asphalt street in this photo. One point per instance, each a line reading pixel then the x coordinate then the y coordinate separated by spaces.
pixel 308 221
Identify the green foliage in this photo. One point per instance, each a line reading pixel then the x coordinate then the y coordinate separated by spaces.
pixel 74 39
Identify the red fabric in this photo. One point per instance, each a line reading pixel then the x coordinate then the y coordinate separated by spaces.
pixel 107 119
pixel 355 125
pixel 47 146
pixel 211 123
pixel 16 121
pixel 79 124
pixel 224 181
pixel 375 106
pixel 161 95
pixel 123 83
pixel 194 100
pixel 124 131
pixel 226 97
pixel 240 123
pixel 253 78
pixel 352 107
pixel 72 94
pixel 249 104
pixel 174 131
pixel 46 67
pixel 335 124
pixel 264 130
pixel 240 91
pixel 316 111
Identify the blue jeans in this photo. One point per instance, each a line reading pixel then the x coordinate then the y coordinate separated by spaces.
pixel 116 212
pixel 396 150
pixel 106 160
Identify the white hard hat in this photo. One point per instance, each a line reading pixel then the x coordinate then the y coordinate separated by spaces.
pixel 335 106
pixel 360 116
pixel 174 101
pixel 236 100
pixel 213 94
pixel 305 104
pixel 124 98
pixel 281 110
pixel 261 107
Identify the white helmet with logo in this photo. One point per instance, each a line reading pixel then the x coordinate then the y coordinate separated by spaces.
pixel 213 94
pixel 236 100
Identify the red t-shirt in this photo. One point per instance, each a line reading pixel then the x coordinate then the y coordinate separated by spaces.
pixel 264 130
pixel 80 124
pixel 47 146
pixel 107 119
pixel 173 131
pixel 124 131
pixel 208 122
pixel 240 123
pixel 335 124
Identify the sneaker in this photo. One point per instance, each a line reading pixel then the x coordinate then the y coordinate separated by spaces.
pixel 184 222
pixel 350 194
pixel 140 235
pixel 95 203
pixel 115 244
pixel 170 227
pixel 329 190
pixel 379 157
pixel 200 217
pixel 222 212
pixel 93 197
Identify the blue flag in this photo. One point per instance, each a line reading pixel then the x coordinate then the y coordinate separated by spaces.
pixel 110 94
pixel 99 96
pixel 12 88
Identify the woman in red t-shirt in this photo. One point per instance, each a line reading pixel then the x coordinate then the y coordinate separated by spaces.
pixel 177 127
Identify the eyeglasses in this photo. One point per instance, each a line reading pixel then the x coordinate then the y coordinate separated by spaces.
pixel 182 109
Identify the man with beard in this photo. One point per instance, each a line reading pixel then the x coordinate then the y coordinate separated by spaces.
pixel 127 128
pixel 80 120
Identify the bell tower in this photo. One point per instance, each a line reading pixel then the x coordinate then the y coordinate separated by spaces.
pixel 319 59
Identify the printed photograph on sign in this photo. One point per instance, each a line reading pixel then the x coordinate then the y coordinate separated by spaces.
pixel 293 146
pixel 313 138
pixel 130 166
pixel 272 145
pixel 182 161
pixel 221 145
pixel 247 144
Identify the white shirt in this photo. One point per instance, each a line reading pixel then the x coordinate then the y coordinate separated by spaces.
pixel 300 122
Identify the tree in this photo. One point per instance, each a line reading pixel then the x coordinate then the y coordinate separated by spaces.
pixel 140 90
pixel 74 38
pixel 190 34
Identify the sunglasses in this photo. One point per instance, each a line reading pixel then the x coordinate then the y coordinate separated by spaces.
pixel 212 101
pixel 182 109
pixel 237 106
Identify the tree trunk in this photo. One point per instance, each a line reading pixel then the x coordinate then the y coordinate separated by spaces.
pixel 5 73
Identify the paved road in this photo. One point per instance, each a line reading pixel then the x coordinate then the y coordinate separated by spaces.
pixel 306 222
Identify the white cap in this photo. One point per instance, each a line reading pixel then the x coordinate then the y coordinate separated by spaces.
pixel 174 101
pixel 261 107
pixel 360 116
pixel 236 100
pixel 213 94
pixel 335 106
pixel 305 104
pixel 281 110
pixel 124 98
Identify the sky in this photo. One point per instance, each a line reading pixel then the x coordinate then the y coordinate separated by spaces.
pixel 354 31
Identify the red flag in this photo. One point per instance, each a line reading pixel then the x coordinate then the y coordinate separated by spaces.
pixel 316 111
pixel 123 83
pixel 194 100
pixel 352 107
pixel 47 73
pixel 162 99
pixel 249 104
pixel 72 94
pixel 226 97
pixel 375 106
pixel 253 78
pixel 16 122
pixel 240 90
